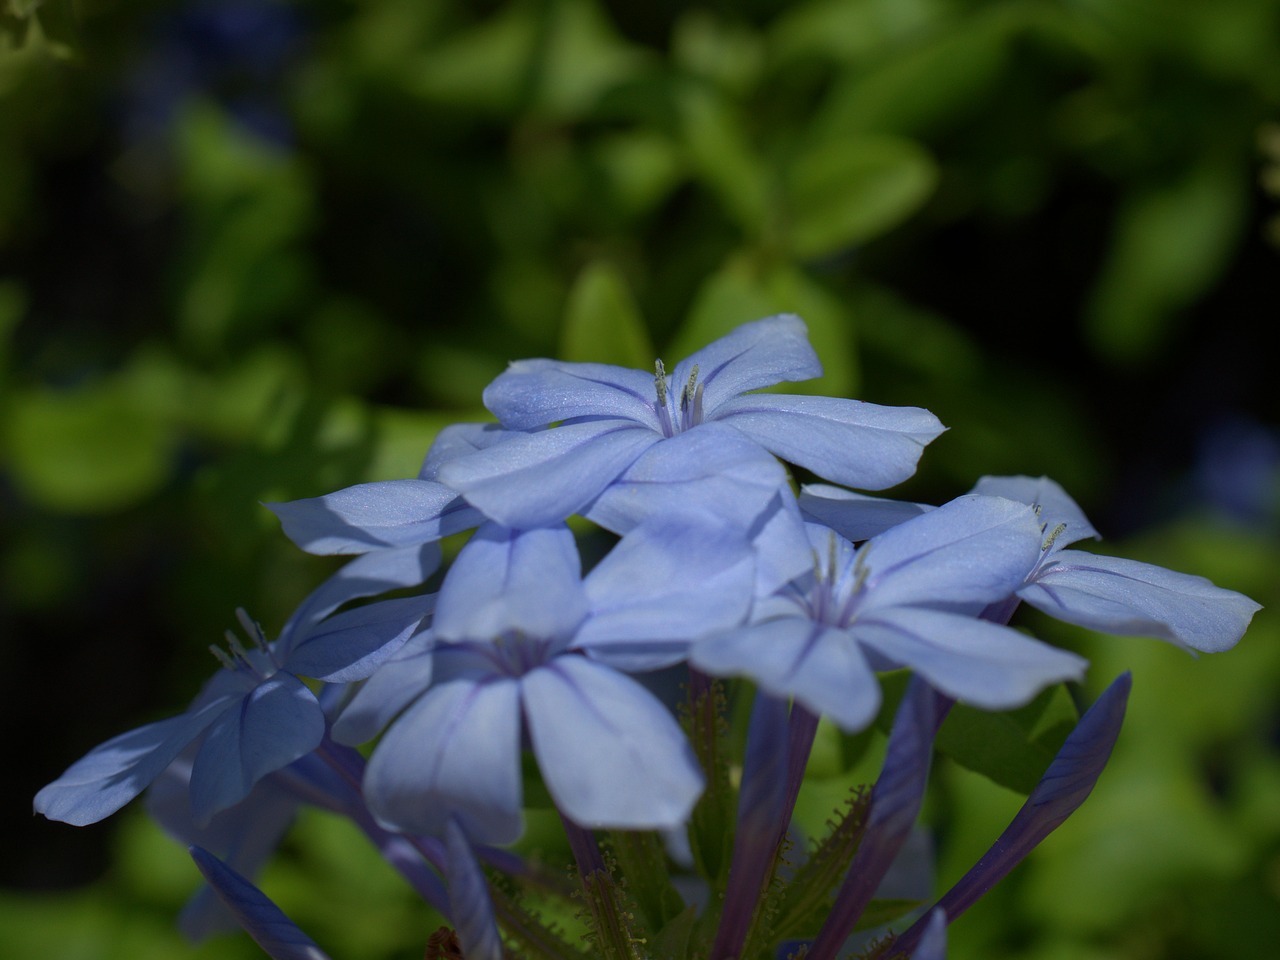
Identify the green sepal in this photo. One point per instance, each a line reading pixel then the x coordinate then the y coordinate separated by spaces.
pixel 602 322
pixel 643 861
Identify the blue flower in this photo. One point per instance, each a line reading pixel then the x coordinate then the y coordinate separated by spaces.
pixel 619 435
pixel 1113 594
pixel 521 645
pixel 908 598
pixel 256 715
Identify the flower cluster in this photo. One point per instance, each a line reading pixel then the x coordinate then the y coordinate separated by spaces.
pixel 414 715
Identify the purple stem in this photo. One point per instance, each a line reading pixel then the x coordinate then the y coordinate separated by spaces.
pixel 895 803
pixel 762 820
pixel 1065 785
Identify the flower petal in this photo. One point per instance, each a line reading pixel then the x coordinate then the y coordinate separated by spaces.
pixel 455 752
pixel 375 572
pixel 506 580
pixel 531 394
pixel 662 586
pixel 610 753
pixel 459 440
pixel 351 645
pixel 1115 595
pixel 537 479
pixel 371 516
pixel 279 721
pixel 404 677
pixel 972 660
pixel 709 472
pixel 848 442
pixel 819 666
pixel 970 552
pixel 244 836
pixel 113 773
pixel 855 516
pixel 1056 505
pixel 759 354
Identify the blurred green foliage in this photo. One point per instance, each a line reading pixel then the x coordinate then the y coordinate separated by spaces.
pixel 256 250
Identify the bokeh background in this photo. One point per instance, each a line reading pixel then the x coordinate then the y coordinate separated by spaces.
pixel 254 250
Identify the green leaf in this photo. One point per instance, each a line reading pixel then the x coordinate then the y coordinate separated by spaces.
pixel 602 322
pixel 1013 748
pixel 720 152
pixel 850 191
pixel 557 58
pixel 94 449
pixel 1171 242
pixel 743 290
pixel 673 939
pixel 922 89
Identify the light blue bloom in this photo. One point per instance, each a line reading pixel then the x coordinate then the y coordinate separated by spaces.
pixel 247 833
pixel 855 516
pixel 385 515
pixel 614 430
pixel 908 598
pixel 520 646
pixel 1114 594
pixel 243 836
pixel 256 715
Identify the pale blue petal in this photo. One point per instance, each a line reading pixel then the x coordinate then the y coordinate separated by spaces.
pixel 113 773
pixel 970 552
pixel 459 440
pixel 277 935
pixel 611 755
pixel 376 572
pixel 821 667
pixel 855 516
pixel 507 580
pixel 275 724
pixel 537 479
pixel 1115 595
pixel 373 516
pixel 470 906
pixel 711 471
pixel 833 678
pixel 783 551
pixel 758 354
pixel 455 752
pixel 980 663
pixel 662 586
pixel 353 644
pixel 535 393
pixel 402 679
pixel 1056 505
pixel 848 442
pixel 244 836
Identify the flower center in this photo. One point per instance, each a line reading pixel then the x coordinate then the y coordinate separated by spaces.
pixel 836 594
pixel 515 653
pixel 254 665
pixel 676 418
